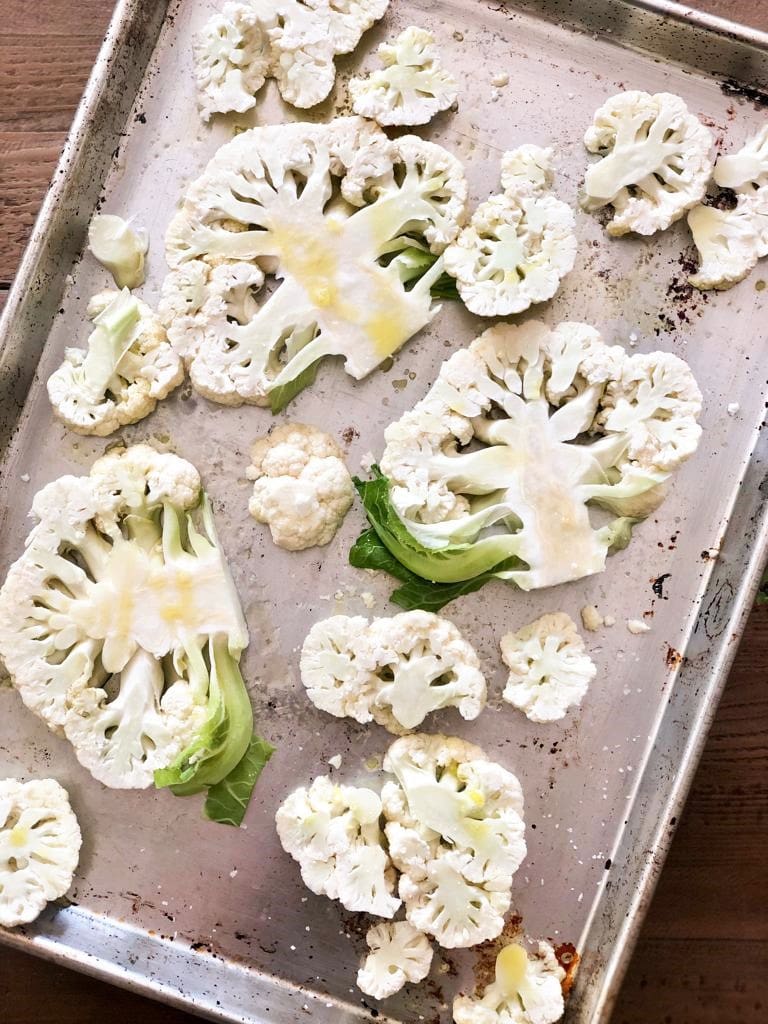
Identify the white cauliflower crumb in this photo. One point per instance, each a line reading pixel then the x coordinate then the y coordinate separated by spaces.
pixel 368 599
pixel 394 671
pixel 367 462
pixel 399 953
pixel 591 618
pixel 527 990
pixel 637 626
pixel 500 80
pixel 335 761
pixel 39 847
pixel 549 669
pixel 733 408
pixel 610 620
pixel 411 87
pixel 518 245
pixel 25 478
pixel 302 489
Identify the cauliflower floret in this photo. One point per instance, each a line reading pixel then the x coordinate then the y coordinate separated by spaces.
pixel 527 990
pixel 128 367
pixel 302 490
pixel 39 848
pixel 549 669
pixel 394 670
pixel 730 242
pixel 120 248
pixel 399 953
pixel 333 833
pixel 232 60
pixel 517 246
pixel 121 627
pixel 411 87
pixel 293 41
pixel 655 161
pixel 560 422
pixel 455 831
pixel 269 198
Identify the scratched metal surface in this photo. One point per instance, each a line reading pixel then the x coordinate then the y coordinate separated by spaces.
pixel 217 920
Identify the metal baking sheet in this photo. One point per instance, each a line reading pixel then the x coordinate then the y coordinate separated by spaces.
pixel 217 920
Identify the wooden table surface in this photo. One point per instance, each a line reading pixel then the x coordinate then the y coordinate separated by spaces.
pixel 703 954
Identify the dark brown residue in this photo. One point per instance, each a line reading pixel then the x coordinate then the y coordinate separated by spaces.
pixel 673 657
pixel 657 585
pixel 568 959
pixel 750 93
pixel 349 434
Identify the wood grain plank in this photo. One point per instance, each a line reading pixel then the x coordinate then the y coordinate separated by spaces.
pixel 45 18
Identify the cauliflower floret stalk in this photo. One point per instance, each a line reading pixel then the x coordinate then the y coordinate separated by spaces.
pixel 731 241
pixel 120 248
pixel 399 953
pixel 127 368
pixel 566 426
pixel 269 200
pixel 527 989
pixel 121 627
pixel 392 671
pixel 655 161
pixel 455 831
pixel 411 87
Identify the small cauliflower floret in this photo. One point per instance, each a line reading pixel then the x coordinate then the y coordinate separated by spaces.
pixel 527 990
pixel 270 200
pixel 289 40
pixel 120 625
pixel 334 835
pixel 655 161
pixel 394 671
pixel 455 831
pixel 549 669
pixel 120 248
pixel 411 87
pixel 232 60
pixel 39 848
pixel 127 368
pixel 730 242
pixel 495 472
pixel 302 490
pixel 517 246
pixel 399 954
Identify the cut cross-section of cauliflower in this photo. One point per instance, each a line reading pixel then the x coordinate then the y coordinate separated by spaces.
pixel 517 246
pixel 411 87
pixel 393 670
pixel 293 41
pixel 526 990
pixel 494 473
pixel 455 831
pixel 399 954
pixel 333 833
pixel 655 161
pixel 731 241
pixel 119 247
pixel 121 627
pixel 127 368
pixel 270 199
pixel 39 847
pixel 549 669
pixel 302 490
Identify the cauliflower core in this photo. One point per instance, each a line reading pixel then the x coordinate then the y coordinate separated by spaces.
pixel 399 953
pixel 549 669
pixel 655 161
pixel 269 203
pixel 454 833
pixel 730 242
pixel 120 248
pixel 120 625
pixel 393 671
pixel 293 41
pixel 558 422
pixel 302 490
pixel 517 246
pixel 39 848
pixel 128 367
pixel 411 87
pixel 527 989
